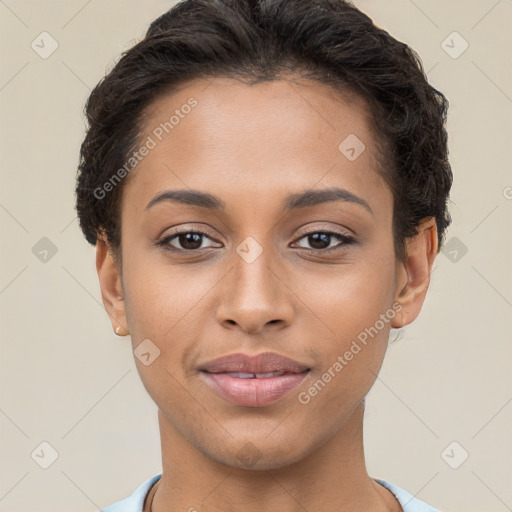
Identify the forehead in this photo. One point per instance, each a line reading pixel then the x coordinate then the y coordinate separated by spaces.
pixel 221 133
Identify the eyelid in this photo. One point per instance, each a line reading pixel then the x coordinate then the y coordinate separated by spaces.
pixel 178 230
pixel 338 231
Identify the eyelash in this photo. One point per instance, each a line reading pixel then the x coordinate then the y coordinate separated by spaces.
pixel 345 240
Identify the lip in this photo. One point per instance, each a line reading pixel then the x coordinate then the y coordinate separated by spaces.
pixel 255 391
pixel 264 362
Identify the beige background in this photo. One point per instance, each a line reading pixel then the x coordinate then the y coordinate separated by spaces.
pixel 68 381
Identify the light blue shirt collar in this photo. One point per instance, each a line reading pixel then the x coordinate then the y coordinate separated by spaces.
pixel 135 502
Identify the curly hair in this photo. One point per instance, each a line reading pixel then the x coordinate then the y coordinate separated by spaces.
pixel 329 41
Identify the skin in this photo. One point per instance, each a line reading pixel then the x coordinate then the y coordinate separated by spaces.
pixel 252 146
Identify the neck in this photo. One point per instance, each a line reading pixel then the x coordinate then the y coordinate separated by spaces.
pixel 332 473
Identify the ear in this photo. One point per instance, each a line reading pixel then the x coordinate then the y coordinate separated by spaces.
pixel 111 287
pixel 413 275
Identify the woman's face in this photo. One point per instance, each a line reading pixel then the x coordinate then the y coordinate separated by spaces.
pixel 308 277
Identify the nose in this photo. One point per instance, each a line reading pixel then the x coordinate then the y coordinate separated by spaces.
pixel 254 296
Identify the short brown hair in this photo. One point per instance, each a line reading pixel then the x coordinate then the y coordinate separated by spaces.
pixel 330 41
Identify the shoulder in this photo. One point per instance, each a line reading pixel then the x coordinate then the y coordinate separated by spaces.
pixel 408 501
pixel 134 502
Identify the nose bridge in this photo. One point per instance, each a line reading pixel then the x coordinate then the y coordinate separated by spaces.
pixel 252 274
pixel 255 295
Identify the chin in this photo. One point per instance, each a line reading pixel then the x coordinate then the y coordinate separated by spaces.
pixel 257 454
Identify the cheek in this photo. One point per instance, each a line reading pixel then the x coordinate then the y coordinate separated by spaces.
pixel 161 297
pixel 352 358
pixel 352 314
pixel 346 300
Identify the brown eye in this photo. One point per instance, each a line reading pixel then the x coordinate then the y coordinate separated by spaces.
pixel 188 240
pixel 321 240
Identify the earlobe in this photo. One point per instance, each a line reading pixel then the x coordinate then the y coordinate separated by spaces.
pixel 111 287
pixel 413 275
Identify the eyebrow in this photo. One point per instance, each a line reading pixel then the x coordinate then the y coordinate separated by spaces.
pixel 292 202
